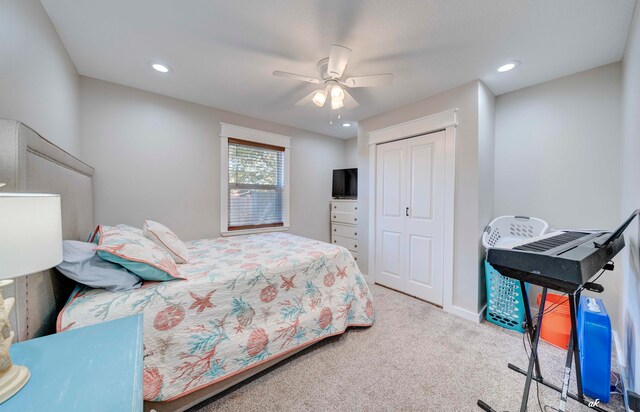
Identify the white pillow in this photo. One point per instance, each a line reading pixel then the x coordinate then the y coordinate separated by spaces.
pixel 166 239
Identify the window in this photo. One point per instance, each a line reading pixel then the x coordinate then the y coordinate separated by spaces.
pixel 256 185
pixel 254 195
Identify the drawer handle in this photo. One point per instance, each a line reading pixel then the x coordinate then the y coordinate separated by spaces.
pixel 335 241
pixel 334 216
pixel 355 258
pixel 335 207
pixel 355 219
pixel 355 246
pixel 335 230
pixel 356 208
pixel 355 233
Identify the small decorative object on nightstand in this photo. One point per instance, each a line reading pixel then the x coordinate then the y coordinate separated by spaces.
pixel 30 242
pixel 344 224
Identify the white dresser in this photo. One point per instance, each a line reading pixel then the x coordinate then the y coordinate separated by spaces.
pixel 344 224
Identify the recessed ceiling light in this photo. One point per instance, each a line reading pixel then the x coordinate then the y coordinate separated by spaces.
pixel 346 124
pixel 160 67
pixel 508 66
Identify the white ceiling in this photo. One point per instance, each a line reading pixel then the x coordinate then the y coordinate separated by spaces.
pixel 223 52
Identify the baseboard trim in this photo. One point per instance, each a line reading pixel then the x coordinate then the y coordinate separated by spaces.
pixel 467 314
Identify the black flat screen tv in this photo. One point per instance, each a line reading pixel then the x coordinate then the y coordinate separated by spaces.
pixel 345 184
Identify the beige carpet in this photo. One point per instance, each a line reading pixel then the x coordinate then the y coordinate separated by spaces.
pixel 415 357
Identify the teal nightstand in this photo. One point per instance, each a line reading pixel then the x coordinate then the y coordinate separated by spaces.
pixel 95 368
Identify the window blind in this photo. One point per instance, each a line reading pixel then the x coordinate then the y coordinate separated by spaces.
pixel 256 185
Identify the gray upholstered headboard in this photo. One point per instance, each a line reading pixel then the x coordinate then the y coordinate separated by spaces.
pixel 30 163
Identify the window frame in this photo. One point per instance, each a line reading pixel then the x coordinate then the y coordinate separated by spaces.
pixel 229 131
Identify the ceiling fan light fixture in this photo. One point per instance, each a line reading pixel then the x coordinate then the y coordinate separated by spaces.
pixel 336 103
pixel 319 98
pixel 337 92
pixel 331 70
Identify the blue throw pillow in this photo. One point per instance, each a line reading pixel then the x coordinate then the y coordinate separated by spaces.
pixel 82 264
pixel 135 252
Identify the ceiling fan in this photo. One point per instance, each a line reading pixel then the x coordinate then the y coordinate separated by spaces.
pixel 333 85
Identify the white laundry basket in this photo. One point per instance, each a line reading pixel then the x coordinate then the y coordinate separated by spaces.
pixel 505 306
pixel 506 229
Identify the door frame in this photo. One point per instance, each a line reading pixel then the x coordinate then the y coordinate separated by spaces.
pixel 443 121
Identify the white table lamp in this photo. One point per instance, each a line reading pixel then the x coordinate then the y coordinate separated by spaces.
pixel 30 242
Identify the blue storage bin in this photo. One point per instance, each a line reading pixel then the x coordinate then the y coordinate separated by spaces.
pixel 594 337
pixel 505 306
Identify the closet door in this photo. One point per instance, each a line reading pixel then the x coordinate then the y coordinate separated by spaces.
pixel 390 214
pixel 424 228
pixel 410 190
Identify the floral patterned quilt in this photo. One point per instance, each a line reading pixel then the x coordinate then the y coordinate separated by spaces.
pixel 245 300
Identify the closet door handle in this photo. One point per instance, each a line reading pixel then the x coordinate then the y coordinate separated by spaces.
pixel 407 211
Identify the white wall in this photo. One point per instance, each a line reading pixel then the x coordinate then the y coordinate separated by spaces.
pixel 38 81
pixel 467 294
pixel 351 152
pixel 557 150
pixel 557 157
pixel 159 158
pixel 631 201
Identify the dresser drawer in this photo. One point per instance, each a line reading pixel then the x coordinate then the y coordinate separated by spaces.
pixel 343 217
pixel 344 230
pixel 348 207
pixel 346 242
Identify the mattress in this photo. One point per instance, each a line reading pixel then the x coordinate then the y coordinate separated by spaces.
pixel 246 300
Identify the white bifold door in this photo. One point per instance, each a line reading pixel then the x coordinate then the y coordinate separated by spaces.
pixel 410 192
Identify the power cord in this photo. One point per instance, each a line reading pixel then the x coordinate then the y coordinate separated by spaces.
pixel 617 390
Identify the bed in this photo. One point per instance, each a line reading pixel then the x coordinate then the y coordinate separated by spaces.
pixel 258 299
pixel 246 300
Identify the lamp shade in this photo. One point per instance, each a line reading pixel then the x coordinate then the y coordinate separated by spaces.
pixel 30 233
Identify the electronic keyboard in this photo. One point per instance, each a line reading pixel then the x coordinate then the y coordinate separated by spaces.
pixel 563 260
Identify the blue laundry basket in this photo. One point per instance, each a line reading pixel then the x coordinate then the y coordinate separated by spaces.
pixel 505 305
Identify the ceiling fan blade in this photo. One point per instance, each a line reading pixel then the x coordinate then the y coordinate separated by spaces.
pixel 296 77
pixel 349 102
pixel 338 59
pixel 306 99
pixel 371 80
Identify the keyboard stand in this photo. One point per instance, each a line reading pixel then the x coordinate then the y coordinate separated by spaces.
pixel 533 371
